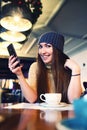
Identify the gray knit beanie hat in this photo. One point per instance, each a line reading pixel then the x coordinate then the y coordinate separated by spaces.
pixel 57 40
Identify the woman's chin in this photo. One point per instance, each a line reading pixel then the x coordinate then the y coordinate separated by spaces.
pixel 47 62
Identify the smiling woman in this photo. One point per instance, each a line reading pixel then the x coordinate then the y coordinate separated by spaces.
pixel 51 73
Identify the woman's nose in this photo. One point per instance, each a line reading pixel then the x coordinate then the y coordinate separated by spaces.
pixel 43 50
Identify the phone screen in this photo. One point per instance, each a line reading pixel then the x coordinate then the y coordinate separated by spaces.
pixel 12 51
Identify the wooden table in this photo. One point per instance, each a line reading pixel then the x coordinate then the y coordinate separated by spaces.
pixel 30 119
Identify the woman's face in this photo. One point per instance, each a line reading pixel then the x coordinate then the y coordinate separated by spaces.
pixel 46 52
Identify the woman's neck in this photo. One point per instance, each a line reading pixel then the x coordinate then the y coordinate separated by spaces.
pixel 48 66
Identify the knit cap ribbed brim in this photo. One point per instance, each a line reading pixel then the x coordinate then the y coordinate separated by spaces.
pixel 57 40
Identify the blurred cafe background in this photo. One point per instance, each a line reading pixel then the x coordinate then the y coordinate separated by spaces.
pixel 23 21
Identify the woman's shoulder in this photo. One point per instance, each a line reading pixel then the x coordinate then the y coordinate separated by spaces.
pixel 33 65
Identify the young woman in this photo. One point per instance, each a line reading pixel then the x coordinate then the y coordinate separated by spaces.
pixel 52 72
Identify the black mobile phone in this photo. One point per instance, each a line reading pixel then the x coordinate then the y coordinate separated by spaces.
pixel 12 51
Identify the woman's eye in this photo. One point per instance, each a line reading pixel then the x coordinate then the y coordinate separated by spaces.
pixel 49 45
pixel 40 46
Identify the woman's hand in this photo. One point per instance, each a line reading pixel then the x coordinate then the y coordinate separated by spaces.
pixel 12 64
pixel 71 64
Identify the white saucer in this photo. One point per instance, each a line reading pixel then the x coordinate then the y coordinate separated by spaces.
pixel 62 104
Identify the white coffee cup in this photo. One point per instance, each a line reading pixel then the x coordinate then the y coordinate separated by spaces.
pixel 51 98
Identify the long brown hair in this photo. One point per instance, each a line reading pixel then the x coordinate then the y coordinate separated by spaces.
pixel 60 74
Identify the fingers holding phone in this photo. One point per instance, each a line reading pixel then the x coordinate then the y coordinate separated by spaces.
pixel 13 62
pixel 12 65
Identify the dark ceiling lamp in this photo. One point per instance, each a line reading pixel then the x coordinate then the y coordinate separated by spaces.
pixel 18 18
pixel 13 36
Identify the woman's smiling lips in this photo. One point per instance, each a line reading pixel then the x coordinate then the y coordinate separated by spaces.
pixel 45 58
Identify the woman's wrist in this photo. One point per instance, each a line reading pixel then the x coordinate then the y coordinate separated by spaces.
pixel 76 71
pixel 19 74
pixel 76 74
